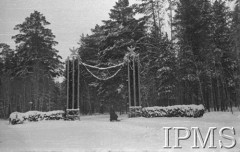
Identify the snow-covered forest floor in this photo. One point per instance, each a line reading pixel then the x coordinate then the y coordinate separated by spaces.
pixel 97 133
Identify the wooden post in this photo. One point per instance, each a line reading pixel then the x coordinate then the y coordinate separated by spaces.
pixel 139 88
pixel 134 85
pixel 67 83
pixel 129 85
pixel 73 83
pixel 78 87
pixel 134 81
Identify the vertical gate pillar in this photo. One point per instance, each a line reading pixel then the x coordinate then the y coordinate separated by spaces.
pixel 134 96
pixel 73 74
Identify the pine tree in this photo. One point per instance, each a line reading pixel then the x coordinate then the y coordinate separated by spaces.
pixel 121 31
pixel 89 52
pixel 223 69
pixel 106 46
pixel 7 63
pixel 38 60
pixel 235 36
pixel 166 74
pixel 192 26
pixel 156 44
pixel 7 58
pixel 35 46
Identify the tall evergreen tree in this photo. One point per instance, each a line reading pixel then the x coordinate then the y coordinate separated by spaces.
pixel 121 31
pixel 235 36
pixel 35 46
pixel 7 63
pixel 38 61
pixel 192 26
pixel 224 62
pixel 109 44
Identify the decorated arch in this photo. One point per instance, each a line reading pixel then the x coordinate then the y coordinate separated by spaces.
pixel 73 76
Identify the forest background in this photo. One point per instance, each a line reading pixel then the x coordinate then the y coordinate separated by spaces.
pixel 197 63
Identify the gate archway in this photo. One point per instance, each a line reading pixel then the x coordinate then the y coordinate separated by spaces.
pixel 73 74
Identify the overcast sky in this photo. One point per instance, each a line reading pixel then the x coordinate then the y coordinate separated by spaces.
pixel 68 18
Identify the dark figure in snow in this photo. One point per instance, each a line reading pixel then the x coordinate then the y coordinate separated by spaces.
pixel 113 115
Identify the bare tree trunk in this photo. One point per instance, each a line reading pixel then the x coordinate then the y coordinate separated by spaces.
pixel 200 91
pixel 153 14
pixel 49 90
pixel 24 95
pixel 9 100
pixel 212 95
pixel 230 101
pixel 159 20
pixel 228 96
pixel 171 18
pixel 89 101
pixel 218 94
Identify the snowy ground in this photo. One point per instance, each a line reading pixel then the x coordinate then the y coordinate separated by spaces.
pixel 96 133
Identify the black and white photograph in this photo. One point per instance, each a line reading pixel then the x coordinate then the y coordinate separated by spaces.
pixel 119 75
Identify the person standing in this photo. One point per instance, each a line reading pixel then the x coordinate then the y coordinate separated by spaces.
pixel 113 115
